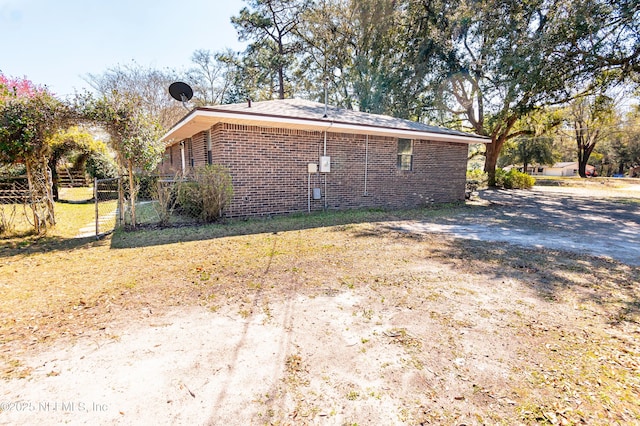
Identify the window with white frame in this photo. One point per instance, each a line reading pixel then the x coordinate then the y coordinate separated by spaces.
pixel 405 154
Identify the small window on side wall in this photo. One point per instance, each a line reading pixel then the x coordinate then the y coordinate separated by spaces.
pixel 405 154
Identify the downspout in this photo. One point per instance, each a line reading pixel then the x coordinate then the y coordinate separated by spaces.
pixel 325 144
pixel 326 204
pixel 309 193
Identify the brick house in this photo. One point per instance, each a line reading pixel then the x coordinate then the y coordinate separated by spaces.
pixel 294 156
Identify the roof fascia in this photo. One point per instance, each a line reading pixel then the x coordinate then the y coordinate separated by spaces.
pixel 201 119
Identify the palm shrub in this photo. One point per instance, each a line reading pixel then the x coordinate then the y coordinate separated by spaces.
pixel 206 194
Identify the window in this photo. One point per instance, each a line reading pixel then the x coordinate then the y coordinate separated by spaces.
pixel 405 154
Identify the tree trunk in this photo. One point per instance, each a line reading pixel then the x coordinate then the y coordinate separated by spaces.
pixel 582 168
pixel 526 157
pixel 281 70
pixel 281 83
pixel 584 153
pixel 133 192
pixel 491 159
pixel 54 178
pixel 498 138
pixel 49 191
pixel 30 180
pixel 41 197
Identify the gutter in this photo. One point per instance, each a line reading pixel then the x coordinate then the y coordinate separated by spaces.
pixel 269 120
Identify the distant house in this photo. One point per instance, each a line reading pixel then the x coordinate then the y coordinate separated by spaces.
pixel 294 155
pixel 566 169
pixel 558 169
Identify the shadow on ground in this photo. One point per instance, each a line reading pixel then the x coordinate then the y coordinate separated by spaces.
pixel 534 219
pixel 610 284
pixel 33 244
pixel 146 237
pixel 553 242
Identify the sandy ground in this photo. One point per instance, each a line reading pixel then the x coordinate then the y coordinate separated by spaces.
pixel 337 359
pixel 434 344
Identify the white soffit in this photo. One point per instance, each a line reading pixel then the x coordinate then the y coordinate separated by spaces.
pixel 201 120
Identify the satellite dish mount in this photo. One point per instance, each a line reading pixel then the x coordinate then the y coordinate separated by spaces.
pixel 181 92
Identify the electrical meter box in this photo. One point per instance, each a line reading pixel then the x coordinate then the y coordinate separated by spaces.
pixel 313 168
pixel 325 164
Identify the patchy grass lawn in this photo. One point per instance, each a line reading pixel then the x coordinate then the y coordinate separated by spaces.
pixel 484 332
pixel 84 193
pixel 578 182
pixel 69 219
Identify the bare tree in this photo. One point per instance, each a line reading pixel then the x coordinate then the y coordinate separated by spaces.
pixel 147 84
pixel 211 76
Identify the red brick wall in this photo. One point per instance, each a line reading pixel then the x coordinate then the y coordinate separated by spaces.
pixel 171 161
pixel 199 147
pixel 269 169
pixel 195 150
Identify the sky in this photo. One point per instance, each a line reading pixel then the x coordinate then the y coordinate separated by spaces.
pixel 58 42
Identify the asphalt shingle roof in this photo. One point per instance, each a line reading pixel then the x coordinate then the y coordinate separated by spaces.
pixel 303 109
pixel 308 115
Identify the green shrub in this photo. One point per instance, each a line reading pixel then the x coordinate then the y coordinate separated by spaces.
pixel 478 175
pixel 100 166
pixel 514 179
pixel 166 197
pixel 500 178
pixel 207 193
pixel 12 170
pixel 476 178
pixel 519 180
pixel 147 186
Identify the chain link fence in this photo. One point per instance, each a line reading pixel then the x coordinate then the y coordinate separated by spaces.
pixel 107 194
pixel 163 200
pixel 160 202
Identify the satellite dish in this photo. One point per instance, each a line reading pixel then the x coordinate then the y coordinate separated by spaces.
pixel 181 92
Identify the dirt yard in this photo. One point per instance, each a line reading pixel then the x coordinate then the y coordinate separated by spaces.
pixel 438 320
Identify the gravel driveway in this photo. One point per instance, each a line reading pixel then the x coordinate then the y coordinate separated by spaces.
pixel 598 222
